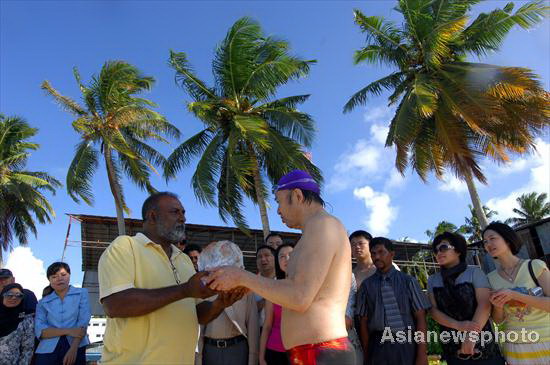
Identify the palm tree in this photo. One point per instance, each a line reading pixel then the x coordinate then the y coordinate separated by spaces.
pixel 249 135
pixel 472 226
pixel 117 124
pixel 450 112
pixel 443 227
pixel 532 207
pixel 22 199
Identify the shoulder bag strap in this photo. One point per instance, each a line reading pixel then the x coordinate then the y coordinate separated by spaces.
pixel 531 272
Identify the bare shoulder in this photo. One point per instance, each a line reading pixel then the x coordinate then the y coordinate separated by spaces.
pixel 325 223
pixel 325 228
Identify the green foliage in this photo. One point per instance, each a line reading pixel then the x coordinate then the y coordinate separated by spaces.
pixel 22 199
pixel 117 124
pixel 249 135
pixel 532 207
pixel 434 348
pixel 450 113
pixel 418 269
pixel 472 227
pixel 443 227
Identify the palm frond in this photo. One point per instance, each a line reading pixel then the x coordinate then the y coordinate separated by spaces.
pixel 230 196
pixel 138 171
pixel 235 58
pixel 291 123
pixel 208 167
pixel 186 78
pixel 439 42
pixel 488 30
pixel 389 82
pixel 185 152
pixel 64 102
pixel 80 173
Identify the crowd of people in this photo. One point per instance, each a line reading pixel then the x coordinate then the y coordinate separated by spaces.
pixel 51 331
pixel 305 305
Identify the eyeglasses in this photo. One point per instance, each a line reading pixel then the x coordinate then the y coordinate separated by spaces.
pixel 477 355
pixel 13 295
pixel 175 272
pixel 287 256
pixel 443 248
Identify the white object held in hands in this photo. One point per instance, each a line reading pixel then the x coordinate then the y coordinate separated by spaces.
pixel 220 253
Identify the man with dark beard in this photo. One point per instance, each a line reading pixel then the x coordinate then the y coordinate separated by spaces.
pixel 149 291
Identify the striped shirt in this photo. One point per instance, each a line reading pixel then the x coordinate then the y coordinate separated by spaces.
pixel 407 292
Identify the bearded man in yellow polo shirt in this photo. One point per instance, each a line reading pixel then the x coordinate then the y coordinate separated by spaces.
pixel 151 293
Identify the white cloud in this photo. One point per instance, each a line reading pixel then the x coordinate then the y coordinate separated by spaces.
pixel 395 180
pixel 379 114
pixel 539 180
pixel 379 133
pixel 382 214
pixel 356 165
pixel 28 270
pixel 454 184
pixel 517 165
pixel 368 159
pixel 364 157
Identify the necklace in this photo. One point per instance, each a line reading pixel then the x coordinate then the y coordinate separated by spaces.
pixel 510 275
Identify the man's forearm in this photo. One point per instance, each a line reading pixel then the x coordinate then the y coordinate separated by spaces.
pixel 421 346
pixel 139 302
pixel 364 336
pixel 208 311
pixel 281 292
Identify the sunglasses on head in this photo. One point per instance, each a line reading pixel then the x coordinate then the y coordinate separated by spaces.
pixel 13 295
pixel 443 248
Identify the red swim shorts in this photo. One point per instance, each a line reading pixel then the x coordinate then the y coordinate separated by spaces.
pixel 334 352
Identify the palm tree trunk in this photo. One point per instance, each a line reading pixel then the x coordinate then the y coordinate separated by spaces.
pixel 260 196
pixel 115 190
pixel 478 207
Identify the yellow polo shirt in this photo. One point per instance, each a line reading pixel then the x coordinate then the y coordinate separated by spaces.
pixel 165 336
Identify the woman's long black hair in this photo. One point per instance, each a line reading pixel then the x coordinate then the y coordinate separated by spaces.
pixel 279 273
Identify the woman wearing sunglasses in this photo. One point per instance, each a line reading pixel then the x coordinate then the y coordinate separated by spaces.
pixel 460 302
pixel 520 298
pixel 16 327
pixel 62 318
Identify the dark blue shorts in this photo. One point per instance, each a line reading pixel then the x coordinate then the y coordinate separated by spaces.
pixel 56 357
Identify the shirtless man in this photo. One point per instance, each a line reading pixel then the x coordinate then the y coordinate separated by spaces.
pixel 315 294
pixel 359 241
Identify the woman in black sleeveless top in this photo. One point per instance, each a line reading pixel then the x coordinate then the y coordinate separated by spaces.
pixel 460 304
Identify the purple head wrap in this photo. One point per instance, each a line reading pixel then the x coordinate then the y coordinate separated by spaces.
pixel 297 179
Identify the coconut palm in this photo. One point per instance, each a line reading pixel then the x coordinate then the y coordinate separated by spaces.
pixel 532 207
pixel 22 200
pixel 249 136
pixel 450 112
pixel 115 123
pixel 472 226
pixel 443 227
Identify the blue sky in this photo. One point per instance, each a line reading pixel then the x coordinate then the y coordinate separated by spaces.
pixel 43 40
